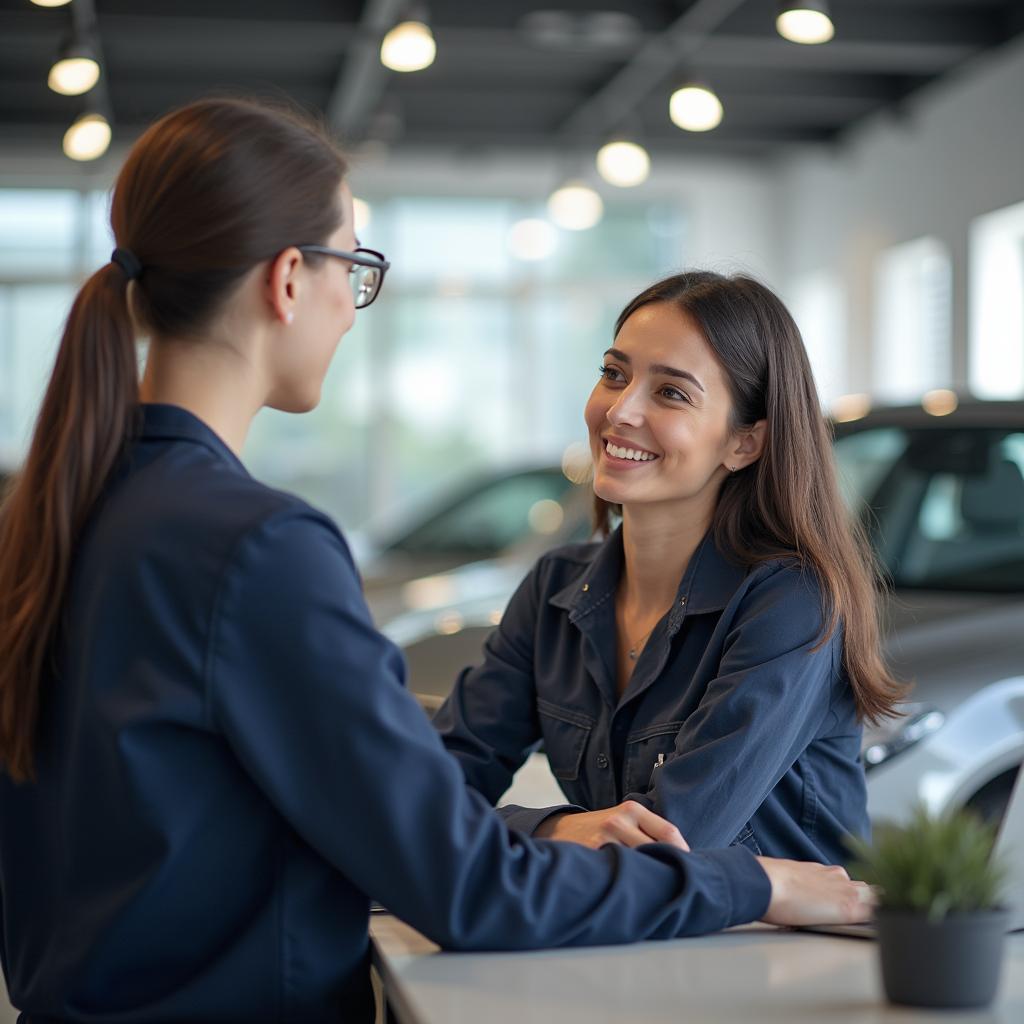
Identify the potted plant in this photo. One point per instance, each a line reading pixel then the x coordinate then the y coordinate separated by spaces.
pixel 941 928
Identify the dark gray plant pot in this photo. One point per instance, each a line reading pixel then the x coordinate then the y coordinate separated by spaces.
pixel 954 963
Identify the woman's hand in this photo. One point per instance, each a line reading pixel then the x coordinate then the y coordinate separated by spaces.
pixel 807 893
pixel 628 823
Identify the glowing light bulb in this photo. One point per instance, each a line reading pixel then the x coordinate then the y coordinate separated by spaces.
pixel 805 23
pixel 409 46
pixel 940 402
pixel 624 164
pixel 847 408
pixel 695 108
pixel 73 76
pixel 575 206
pixel 88 138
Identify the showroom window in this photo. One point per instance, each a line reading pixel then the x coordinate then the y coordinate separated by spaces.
pixel 475 358
pixel 996 350
pixel 818 306
pixel 913 320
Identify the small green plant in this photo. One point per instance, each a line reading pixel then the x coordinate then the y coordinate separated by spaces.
pixel 933 865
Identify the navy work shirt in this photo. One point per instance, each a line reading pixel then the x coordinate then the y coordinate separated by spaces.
pixel 229 768
pixel 733 726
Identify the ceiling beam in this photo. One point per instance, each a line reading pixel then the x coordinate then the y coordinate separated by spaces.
pixel 656 59
pixel 361 80
pixel 838 55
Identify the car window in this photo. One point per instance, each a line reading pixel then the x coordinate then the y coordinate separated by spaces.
pixel 863 459
pixel 493 517
pixel 948 511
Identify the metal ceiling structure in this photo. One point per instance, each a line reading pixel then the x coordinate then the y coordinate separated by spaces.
pixel 509 74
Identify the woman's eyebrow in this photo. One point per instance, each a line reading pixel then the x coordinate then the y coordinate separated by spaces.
pixel 669 371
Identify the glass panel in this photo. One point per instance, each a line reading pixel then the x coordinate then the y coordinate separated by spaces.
pixel 38 231
pixel 818 306
pixel 864 459
pixel 445 240
pixel 996 354
pixel 101 238
pixel 950 515
pixel 913 324
pixel 324 454
pixel 484 522
pixel 37 315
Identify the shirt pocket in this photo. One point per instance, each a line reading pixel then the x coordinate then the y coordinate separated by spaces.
pixel 565 738
pixel 748 839
pixel 647 750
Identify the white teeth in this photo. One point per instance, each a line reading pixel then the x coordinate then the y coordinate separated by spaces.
pixel 629 453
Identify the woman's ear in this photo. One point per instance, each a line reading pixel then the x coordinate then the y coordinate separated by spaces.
pixel 282 283
pixel 749 445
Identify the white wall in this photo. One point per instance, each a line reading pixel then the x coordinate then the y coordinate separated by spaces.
pixel 955 150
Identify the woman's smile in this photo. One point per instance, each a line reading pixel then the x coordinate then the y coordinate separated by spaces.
pixel 620 453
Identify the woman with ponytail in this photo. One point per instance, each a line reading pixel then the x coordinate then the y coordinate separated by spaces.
pixel 713 658
pixel 210 761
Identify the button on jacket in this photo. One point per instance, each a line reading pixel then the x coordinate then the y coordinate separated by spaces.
pixel 229 767
pixel 733 726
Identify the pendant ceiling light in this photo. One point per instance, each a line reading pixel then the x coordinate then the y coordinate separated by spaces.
pixel 575 206
pixel 409 46
pixel 695 108
pixel 76 69
pixel 623 163
pixel 88 138
pixel 50 3
pixel 805 21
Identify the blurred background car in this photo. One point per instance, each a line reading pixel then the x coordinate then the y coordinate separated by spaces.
pixel 495 523
pixel 942 498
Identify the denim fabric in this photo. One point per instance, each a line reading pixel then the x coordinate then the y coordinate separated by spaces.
pixel 737 725
pixel 229 768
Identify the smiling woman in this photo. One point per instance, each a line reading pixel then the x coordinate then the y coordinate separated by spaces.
pixel 711 660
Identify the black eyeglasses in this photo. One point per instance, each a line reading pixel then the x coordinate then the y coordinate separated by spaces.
pixel 366 275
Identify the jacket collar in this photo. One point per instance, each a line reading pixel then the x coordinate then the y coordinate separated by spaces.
pixel 707 585
pixel 173 423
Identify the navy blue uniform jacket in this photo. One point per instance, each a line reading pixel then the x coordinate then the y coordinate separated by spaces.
pixel 229 768
pixel 733 726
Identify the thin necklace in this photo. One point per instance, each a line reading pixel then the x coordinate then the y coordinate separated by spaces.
pixel 634 651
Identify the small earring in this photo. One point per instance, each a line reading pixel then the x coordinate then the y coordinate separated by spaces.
pixel 289 317
pixel 732 469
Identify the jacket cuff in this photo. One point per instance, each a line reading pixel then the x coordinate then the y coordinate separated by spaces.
pixel 746 889
pixel 528 819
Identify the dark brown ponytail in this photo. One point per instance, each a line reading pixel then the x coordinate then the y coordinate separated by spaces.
pixel 84 419
pixel 206 194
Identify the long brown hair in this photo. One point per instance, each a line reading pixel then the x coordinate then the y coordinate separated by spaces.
pixel 786 504
pixel 206 194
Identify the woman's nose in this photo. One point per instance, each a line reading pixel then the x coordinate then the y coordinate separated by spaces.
pixel 627 409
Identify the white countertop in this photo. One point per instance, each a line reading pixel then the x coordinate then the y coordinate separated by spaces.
pixel 753 974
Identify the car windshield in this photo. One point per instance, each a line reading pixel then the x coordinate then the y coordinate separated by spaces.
pixel 944 507
pixel 492 516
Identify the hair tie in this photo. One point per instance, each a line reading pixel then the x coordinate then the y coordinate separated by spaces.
pixel 128 262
